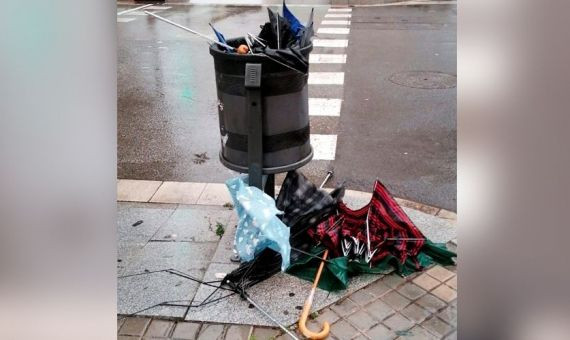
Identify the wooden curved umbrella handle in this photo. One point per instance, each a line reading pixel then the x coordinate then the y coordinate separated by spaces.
pixel 307 308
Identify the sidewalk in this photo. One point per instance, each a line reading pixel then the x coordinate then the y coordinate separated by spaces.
pixel 180 228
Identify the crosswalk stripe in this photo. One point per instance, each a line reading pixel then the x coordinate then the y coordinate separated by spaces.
pixel 340 9
pixel 330 43
pixel 326 78
pixel 159 8
pixel 336 22
pixel 333 30
pixel 324 107
pixel 123 19
pixel 327 58
pixel 338 15
pixel 324 146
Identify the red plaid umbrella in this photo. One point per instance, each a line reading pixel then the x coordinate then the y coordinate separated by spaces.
pixel 391 232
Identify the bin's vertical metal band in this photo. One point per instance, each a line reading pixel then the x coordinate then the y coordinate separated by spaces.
pixel 255 125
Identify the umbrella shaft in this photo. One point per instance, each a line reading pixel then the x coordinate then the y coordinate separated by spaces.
pixel 271 318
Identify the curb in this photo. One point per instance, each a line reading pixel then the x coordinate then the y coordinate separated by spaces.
pixel 197 193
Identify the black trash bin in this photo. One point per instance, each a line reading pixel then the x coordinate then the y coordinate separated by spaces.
pixel 285 112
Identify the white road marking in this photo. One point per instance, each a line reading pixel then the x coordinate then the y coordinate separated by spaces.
pixel 161 8
pixel 336 22
pixel 340 9
pixel 338 15
pixel 333 30
pixel 330 43
pixel 326 78
pixel 125 19
pixel 324 147
pixel 327 58
pixel 324 107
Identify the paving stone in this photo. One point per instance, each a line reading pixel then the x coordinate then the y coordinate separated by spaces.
pixel 238 332
pixel 445 293
pixel 431 303
pixel 393 281
pixel 264 333
pixel 449 315
pixel 379 310
pixel 345 308
pixel 395 300
pixel 362 320
pixel 415 313
pixel 185 330
pixel 178 192
pixel 380 332
pixel 327 315
pixel 425 281
pixel 440 273
pixel 159 328
pixel 120 322
pixel 398 323
pixel 437 327
pixel 343 330
pixel 136 190
pixel 215 194
pixel 377 288
pixel 360 337
pixel 452 336
pixel 211 332
pixel 411 291
pixel 417 333
pixel 134 326
pixel 452 282
pixel 194 224
pixel 153 216
pixel 128 337
pixel 362 297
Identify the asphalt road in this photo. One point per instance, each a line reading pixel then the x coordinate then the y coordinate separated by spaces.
pixel 405 136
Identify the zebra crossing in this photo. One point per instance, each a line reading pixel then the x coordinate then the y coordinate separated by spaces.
pixel 131 14
pixel 326 79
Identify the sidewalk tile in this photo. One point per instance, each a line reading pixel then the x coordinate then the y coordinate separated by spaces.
pixel 262 333
pixel 238 332
pixel 425 281
pixel 343 330
pixel 396 300
pixel 415 313
pixel 135 190
pixel 211 332
pixel 178 192
pixel 393 280
pixel 159 328
pixel 380 332
pixel 398 323
pixel 411 291
pixel 418 333
pixel 440 273
pixel 120 322
pixel 327 315
pixel 377 288
pixel 379 310
pixel 362 297
pixel 437 327
pixel 134 326
pixel 452 336
pixel 445 293
pixel 152 216
pixel 215 194
pixel 431 303
pixel 345 308
pixel 362 320
pixel 128 337
pixel 450 215
pixel 360 337
pixel 452 282
pixel 185 330
pixel 417 206
pixel 449 315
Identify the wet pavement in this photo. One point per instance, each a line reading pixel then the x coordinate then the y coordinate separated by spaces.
pixel 406 136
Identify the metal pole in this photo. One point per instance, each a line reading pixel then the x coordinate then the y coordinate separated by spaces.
pixel 134 9
pixel 190 30
pixel 270 317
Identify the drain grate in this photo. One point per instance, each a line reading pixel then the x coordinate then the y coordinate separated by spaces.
pixel 425 80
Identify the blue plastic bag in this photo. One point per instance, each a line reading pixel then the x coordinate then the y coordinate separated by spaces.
pixel 258 226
